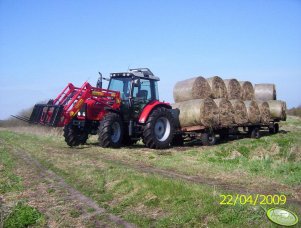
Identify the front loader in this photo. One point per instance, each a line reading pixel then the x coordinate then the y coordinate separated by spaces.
pixel 129 110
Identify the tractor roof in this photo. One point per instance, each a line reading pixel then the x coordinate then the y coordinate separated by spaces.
pixel 138 72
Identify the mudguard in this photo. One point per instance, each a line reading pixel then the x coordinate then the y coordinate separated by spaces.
pixel 149 108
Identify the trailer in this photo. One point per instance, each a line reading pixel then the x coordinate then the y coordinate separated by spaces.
pixel 211 135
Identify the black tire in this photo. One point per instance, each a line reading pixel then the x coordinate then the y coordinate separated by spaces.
pixel 272 129
pixel 208 138
pixel 110 131
pixel 74 136
pixel 159 129
pixel 177 140
pixel 276 128
pixel 127 141
pixel 254 133
pixel 224 134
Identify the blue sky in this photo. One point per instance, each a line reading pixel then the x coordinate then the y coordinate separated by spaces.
pixel 46 44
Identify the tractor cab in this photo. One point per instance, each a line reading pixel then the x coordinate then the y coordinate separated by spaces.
pixel 137 88
pixel 136 83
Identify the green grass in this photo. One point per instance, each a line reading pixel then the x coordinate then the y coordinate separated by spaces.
pixel 152 200
pixel 143 199
pixel 9 181
pixel 11 186
pixel 23 215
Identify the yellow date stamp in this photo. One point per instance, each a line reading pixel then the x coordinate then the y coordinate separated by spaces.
pixel 252 199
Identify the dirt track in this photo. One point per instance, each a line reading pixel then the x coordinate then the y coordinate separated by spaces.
pixel 71 194
pixel 214 182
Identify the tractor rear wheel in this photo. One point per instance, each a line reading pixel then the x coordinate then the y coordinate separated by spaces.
pixel 159 129
pixel 110 131
pixel 74 136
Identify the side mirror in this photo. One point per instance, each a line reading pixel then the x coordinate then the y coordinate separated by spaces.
pixel 136 82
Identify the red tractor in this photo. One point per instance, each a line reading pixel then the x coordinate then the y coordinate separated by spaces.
pixel 121 115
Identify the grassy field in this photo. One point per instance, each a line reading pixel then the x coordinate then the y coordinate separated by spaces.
pixel 57 185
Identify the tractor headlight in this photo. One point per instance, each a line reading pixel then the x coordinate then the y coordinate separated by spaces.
pixel 84 113
pixel 78 113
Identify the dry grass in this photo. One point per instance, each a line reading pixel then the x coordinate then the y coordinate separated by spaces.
pixel 37 130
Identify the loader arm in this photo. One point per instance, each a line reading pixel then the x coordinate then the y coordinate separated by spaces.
pixel 63 109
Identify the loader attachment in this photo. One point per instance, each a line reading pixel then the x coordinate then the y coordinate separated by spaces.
pixel 60 111
pixel 47 114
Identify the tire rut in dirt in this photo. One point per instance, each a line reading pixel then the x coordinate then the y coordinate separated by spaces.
pixel 216 183
pixel 73 193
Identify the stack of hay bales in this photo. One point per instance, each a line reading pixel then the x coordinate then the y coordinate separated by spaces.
pixel 266 93
pixel 214 102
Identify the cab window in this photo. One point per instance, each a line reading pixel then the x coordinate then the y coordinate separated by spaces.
pixel 123 85
pixel 146 90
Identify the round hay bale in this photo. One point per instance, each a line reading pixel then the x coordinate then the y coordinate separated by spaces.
pixel 277 110
pixel 247 90
pixel 193 88
pixel 264 109
pixel 240 111
pixel 253 112
pixel 197 112
pixel 233 89
pixel 218 87
pixel 265 92
pixel 226 112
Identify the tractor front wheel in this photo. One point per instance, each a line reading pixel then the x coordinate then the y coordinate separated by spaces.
pixel 74 136
pixel 159 129
pixel 110 131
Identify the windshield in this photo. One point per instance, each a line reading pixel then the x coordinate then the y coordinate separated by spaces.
pixel 123 85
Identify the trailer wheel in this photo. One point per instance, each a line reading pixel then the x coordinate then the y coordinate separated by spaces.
pixel 74 136
pixel 158 131
pixel 272 129
pixel 224 134
pixel 254 133
pixel 110 131
pixel 276 128
pixel 177 140
pixel 208 138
